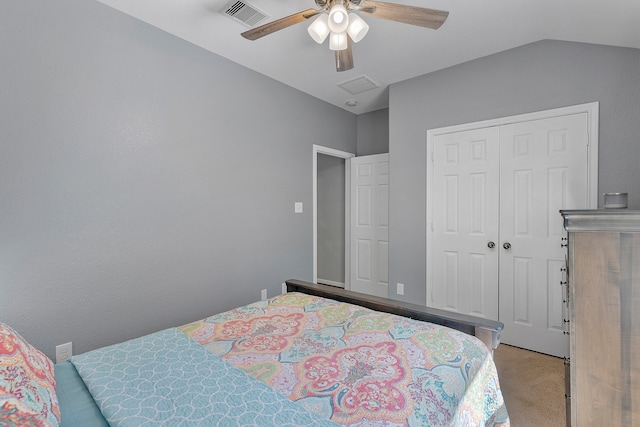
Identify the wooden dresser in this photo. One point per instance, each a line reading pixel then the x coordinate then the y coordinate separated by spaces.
pixel 603 315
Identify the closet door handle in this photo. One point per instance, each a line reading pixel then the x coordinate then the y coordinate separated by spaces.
pixel 491 245
pixel 507 245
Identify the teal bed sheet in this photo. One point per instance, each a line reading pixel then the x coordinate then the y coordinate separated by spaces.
pixel 77 407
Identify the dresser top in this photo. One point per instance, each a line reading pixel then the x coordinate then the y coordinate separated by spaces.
pixel 601 220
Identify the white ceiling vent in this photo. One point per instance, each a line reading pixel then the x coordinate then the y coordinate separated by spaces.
pixel 359 85
pixel 243 12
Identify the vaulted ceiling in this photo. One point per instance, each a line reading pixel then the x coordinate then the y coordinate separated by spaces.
pixel 391 51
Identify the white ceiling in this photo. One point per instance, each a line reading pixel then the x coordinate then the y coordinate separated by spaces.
pixel 391 51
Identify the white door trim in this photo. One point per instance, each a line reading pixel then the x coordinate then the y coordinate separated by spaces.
pixel 592 110
pixel 319 149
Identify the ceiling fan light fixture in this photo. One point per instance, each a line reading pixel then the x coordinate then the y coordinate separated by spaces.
pixel 338 41
pixel 344 27
pixel 338 19
pixel 319 29
pixel 357 28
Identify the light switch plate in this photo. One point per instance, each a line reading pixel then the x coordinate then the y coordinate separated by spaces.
pixel 297 207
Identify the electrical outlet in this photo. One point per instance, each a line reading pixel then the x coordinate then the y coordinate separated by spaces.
pixel 263 294
pixel 63 352
pixel 284 288
pixel 400 288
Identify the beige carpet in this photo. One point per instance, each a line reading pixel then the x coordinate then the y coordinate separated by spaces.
pixel 533 387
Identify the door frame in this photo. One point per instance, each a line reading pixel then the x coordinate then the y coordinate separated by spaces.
pixel 592 110
pixel 319 149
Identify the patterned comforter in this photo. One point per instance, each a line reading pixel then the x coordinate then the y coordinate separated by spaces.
pixel 358 367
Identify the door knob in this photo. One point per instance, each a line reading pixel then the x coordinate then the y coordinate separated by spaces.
pixel 491 245
pixel 507 245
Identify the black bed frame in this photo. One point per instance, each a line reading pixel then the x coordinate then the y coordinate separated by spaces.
pixel 488 331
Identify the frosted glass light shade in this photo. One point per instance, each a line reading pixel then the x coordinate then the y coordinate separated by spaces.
pixel 338 41
pixel 357 28
pixel 338 19
pixel 319 29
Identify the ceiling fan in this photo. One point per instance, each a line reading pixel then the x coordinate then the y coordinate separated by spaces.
pixel 338 21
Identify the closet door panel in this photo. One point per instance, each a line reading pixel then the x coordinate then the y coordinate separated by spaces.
pixel 466 181
pixel 543 168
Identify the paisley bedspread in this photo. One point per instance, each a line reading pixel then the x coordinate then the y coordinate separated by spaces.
pixel 359 367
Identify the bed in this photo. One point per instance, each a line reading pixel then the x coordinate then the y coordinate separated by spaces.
pixel 315 356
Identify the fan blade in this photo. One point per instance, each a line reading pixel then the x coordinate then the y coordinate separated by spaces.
pixel 279 24
pixel 344 58
pixel 423 17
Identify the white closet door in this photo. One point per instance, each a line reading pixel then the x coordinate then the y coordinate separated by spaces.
pixel 463 265
pixel 543 169
pixel 369 252
pixel 505 185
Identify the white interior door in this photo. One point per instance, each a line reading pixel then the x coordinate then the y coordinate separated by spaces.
pixel 543 169
pixel 464 263
pixel 369 250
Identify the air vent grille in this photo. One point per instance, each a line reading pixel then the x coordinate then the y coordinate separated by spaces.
pixel 359 85
pixel 243 12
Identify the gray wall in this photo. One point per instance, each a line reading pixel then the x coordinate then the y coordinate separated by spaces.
pixel 144 182
pixel 539 76
pixel 373 133
pixel 331 218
